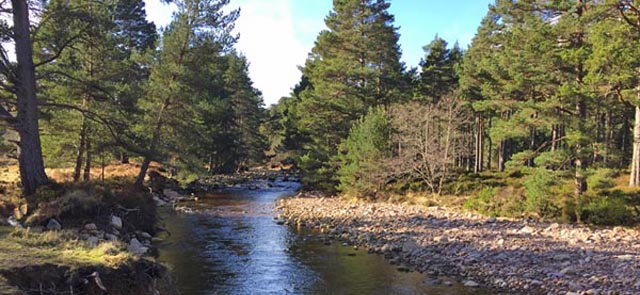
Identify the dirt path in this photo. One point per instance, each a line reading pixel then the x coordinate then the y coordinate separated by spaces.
pixel 525 256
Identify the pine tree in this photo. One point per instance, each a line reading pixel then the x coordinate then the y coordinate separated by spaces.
pixel 353 66
pixel 439 76
pixel 200 30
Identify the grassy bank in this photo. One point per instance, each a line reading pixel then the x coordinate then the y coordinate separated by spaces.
pixel 68 240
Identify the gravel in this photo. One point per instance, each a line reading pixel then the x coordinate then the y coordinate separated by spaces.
pixel 525 256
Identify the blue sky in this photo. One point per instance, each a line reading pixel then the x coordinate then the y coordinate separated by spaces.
pixel 276 35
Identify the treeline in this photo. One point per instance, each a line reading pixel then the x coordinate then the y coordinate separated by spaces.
pixel 94 81
pixel 544 102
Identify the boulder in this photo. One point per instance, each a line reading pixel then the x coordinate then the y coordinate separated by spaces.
pixel 111 237
pixel 54 225
pixel 136 247
pixel 171 194
pixel 92 241
pixel 90 227
pixel 116 222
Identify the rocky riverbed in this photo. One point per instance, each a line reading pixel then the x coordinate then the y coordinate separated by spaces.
pixel 524 256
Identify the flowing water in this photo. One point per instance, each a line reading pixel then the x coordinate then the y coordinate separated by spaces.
pixel 231 244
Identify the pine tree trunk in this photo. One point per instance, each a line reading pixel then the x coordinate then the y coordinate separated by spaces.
pixel 124 158
pixel 87 167
pixel 502 158
pixel 532 145
pixel 479 147
pixel 634 179
pixel 554 137
pixel 490 146
pixel 152 146
pixel 80 152
pixel 143 172
pixel 580 178
pixel 32 174
pixel 608 136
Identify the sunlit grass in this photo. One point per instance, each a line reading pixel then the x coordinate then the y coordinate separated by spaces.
pixel 22 247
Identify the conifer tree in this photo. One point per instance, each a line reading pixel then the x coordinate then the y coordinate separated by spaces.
pixel 353 66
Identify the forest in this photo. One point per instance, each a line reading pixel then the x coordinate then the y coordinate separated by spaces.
pixel 538 116
pixel 147 156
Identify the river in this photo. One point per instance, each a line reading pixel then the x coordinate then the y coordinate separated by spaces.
pixel 231 244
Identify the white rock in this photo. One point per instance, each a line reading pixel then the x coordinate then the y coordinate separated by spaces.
pixel 116 222
pixel 527 230
pixel 471 284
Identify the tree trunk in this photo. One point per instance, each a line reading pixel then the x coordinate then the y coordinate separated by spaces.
pixel 580 178
pixel 532 145
pixel 152 147
pixel 608 136
pixel 32 173
pixel 124 158
pixel 87 166
pixel 634 179
pixel 489 146
pixel 478 164
pixel 502 158
pixel 143 172
pixel 81 147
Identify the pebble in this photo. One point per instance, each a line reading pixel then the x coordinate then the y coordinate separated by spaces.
pixel 522 256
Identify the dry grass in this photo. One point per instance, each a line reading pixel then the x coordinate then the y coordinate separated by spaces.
pixel 22 247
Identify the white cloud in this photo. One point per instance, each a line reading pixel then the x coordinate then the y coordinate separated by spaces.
pixel 158 12
pixel 268 39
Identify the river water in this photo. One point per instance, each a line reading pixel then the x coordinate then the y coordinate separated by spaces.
pixel 231 244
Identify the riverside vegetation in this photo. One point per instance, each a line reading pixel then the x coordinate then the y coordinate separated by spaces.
pixel 538 118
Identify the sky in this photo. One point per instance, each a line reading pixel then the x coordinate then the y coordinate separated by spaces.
pixel 277 35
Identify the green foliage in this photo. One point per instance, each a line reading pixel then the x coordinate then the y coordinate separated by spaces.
pixel 601 179
pixel 483 202
pixel 538 191
pixel 355 64
pixel 611 208
pixel 362 170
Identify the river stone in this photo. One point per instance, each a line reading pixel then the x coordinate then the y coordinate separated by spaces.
pixel 90 227
pixel 145 235
pixel 471 284
pixel 136 247
pixel 54 225
pixel 569 270
pixel 527 230
pixel 159 202
pixel 386 248
pixel 171 194
pixel 116 222
pixel 111 237
pixel 92 241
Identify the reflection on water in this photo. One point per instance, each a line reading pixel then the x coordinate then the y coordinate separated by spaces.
pixel 232 245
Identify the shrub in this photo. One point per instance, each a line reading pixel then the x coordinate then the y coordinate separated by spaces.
pixel 601 179
pixel 483 202
pixel 362 171
pixel 537 190
pixel 609 209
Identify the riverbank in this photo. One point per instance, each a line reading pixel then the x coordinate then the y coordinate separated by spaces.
pixel 524 256
pixel 82 238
